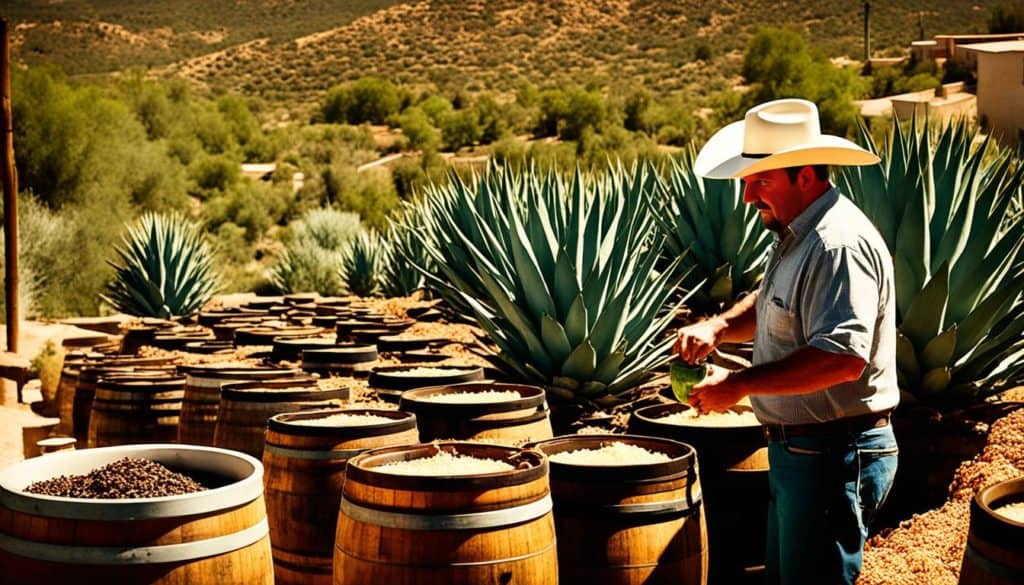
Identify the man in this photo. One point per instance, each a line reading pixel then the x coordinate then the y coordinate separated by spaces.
pixel 823 380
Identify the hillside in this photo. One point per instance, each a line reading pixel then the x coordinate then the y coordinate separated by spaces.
pixel 292 51
pixel 500 44
pixel 98 36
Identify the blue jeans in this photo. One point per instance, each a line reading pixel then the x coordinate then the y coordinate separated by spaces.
pixel 824 493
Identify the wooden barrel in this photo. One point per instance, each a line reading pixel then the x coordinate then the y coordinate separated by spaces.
pixel 213 536
pixel 734 473
pixel 305 469
pixel 346 359
pixel 290 348
pixel 135 408
pixel 995 542
pixel 628 524
pixel 265 334
pixel 446 530
pixel 391 381
pixel 79 401
pixel 245 408
pixel 202 396
pixel 509 422
pixel 135 338
pixel 225 330
pixel 66 388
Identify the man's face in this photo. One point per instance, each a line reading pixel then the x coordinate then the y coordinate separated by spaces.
pixel 774 195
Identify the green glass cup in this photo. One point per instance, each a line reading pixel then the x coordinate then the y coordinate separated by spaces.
pixel 684 377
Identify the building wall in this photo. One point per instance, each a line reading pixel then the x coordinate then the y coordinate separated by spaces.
pixel 964 105
pixel 1001 95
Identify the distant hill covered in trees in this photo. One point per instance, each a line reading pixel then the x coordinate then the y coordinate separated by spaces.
pixel 294 51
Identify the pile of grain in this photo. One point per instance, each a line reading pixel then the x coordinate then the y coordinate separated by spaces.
pixel 333 383
pixel 734 417
pixel 1013 511
pixel 428 372
pixel 343 420
pixel 929 548
pixel 617 453
pixel 124 478
pixel 444 463
pixel 241 355
pixel 473 397
pixel 268 389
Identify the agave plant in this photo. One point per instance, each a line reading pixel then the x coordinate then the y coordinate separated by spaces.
pixel 560 273
pixel 945 208
pixel 400 277
pixel 361 264
pixel 165 269
pixel 720 239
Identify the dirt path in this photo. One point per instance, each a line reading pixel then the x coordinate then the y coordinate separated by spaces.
pixel 33 335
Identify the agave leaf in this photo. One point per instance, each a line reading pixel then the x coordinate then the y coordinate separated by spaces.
pixel 582 363
pixel 555 340
pixel 977 324
pixel 923 319
pixel 906 356
pixel 935 381
pixel 939 351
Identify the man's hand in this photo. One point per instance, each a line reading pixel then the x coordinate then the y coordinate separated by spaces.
pixel 717 392
pixel 694 342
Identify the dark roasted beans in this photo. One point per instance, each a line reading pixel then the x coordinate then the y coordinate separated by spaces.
pixel 124 478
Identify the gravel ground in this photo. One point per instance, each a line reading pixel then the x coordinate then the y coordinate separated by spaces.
pixel 928 549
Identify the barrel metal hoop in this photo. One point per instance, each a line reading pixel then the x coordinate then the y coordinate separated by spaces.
pixel 310 564
pixel 677 507
pixel 313 455
pixel 997 569
pixel 471 521
pixel 391 562
pixel 115 555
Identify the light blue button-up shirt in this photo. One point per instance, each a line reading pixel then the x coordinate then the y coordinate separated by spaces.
pixel 829 284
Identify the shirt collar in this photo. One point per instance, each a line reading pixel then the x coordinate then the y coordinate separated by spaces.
pixel 810 216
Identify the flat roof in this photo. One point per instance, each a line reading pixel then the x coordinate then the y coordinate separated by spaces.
pixel 998 47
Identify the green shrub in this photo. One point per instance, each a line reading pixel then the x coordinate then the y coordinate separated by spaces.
pixel 367 100
pixel 418 129
pixel 460 129
pixel 327 228
pixel 437 108
pixel 494 119
pixel 215 173
pixel 702 52
pixel 306 269
pixel 311 259
pixel 252 205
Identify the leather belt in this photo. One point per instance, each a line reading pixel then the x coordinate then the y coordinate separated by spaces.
pixel 834 428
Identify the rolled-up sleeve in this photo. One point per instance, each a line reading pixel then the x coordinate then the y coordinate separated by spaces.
pixel 840 302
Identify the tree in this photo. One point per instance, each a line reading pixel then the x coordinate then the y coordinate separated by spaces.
pixel 417 128
pixel 369 99
pixel 1007 17
pixel 779 64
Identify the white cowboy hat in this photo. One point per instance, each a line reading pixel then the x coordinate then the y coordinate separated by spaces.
pixel 775 135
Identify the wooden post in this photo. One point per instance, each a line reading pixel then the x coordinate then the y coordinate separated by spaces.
pixel 10 184
pixel 867 33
